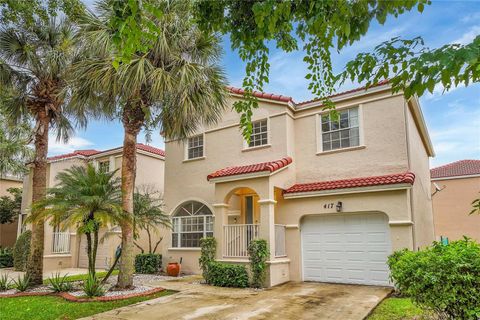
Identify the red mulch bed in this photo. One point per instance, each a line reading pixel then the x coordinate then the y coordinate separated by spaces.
pixel 71 298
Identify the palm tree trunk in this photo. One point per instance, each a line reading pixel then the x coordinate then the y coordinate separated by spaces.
pixel 149 240
pixel 94 250
pixel 125 276
pixel 89 253
pixel 39 186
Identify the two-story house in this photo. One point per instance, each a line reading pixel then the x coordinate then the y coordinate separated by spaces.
pixel 333 198
pixel 66 248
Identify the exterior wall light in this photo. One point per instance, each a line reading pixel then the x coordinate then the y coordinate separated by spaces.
pixel 339 206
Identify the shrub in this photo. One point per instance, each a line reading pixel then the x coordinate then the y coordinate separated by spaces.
pixel 21 251
pixel 227 275
pixel 442 278
pixel 93 287
pixel 148 263
pixel 4 282
pixel 22 283
pixel 6 258
pixel 258 252
pixel 208 250
pixel 60 283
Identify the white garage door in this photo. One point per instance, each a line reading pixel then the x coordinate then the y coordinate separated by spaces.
pixel 346 248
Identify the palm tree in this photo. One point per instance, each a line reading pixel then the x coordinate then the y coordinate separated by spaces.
pixel 149 214
pixel 85 198
pixel 177 86
pixel 34 62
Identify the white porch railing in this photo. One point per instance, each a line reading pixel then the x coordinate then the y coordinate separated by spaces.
pixel 61 242
pixel 280 250
pixel 236 238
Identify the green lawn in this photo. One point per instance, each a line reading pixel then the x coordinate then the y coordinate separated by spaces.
pixel 81 277
pixel 51 307
pixel 396 309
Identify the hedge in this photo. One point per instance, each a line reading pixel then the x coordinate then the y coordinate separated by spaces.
pixel 21 251
pixel 6 258
pixel 148 263
pixel 227 275
pixel 444 279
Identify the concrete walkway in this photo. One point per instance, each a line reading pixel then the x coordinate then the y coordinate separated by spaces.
pixel 12 274
pixel 288 301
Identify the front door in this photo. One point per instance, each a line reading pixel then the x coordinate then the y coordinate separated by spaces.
pixel 249 210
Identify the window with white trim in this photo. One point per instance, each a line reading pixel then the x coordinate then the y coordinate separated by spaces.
pixel 341 133
pixel 195 147
pixel 104 166
pixel 259 135
pixel 191 221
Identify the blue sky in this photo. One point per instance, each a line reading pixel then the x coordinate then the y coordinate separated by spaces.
pixel 453 118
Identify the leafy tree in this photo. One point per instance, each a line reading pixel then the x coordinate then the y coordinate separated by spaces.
pixel 85 198
pixel 149 214
pixel 315 27
pixel 10 205
pixel 34 62
pixel 177 85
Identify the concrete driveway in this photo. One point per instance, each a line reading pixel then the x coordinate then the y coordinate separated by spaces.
pixel 288 301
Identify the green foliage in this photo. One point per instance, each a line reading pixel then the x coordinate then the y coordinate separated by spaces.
pixel 21 251
pixel 10 205
pixel 149 214
pixel 85 198
pixel 22 283
pixel 149 263
pixel 442 278
pixel 54 307
pixel 4 282
pixel 208 247
pixel 60 283
pixel 92 286
pixel 227 275
pixel 6 258
pixel 258 253
pixel 316 26
pixel 397 309
pixel 82 277
pixel 475 206
pixel 414 68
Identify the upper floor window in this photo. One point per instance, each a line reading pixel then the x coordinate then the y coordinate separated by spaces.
pixel 340 133
pixel 191 222
pixel 259 135
pixel 104 166
pixel 195 147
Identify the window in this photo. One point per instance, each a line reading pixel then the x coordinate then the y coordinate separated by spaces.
pixel 104 166
pixel 259 135
pixel 195 147
pixel 191 221
pixel 342 133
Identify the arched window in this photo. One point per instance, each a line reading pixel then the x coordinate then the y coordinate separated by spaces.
pixel 191 221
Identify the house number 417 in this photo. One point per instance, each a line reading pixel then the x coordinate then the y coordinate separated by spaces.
pixel 329 205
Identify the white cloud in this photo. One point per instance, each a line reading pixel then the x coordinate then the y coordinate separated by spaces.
pixel 468 36
pixel 75 143
pixel 471 17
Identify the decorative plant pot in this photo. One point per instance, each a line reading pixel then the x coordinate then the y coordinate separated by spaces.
pixel 173 269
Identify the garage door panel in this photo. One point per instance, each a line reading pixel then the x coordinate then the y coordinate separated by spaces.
pixel 346 248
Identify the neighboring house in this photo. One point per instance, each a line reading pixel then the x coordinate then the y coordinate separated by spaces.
pixel 65 249
pixel 333 200
pixel 455 186
pixel 8 232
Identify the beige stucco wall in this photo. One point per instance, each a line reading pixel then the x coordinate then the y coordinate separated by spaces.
pixel 8 232
pixel 451 208
pixel 422 213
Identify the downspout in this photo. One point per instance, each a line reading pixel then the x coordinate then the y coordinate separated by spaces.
pixel 410 191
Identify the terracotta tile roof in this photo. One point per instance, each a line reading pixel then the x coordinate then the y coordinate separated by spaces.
pixel 151 149
pixel 91 152
pixel 270 166
pixel 76 153
pixel 457 168
pixel 380 83
pixel 264 95
pixel 407 177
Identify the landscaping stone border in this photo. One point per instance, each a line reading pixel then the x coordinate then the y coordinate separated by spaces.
pixel 72 298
